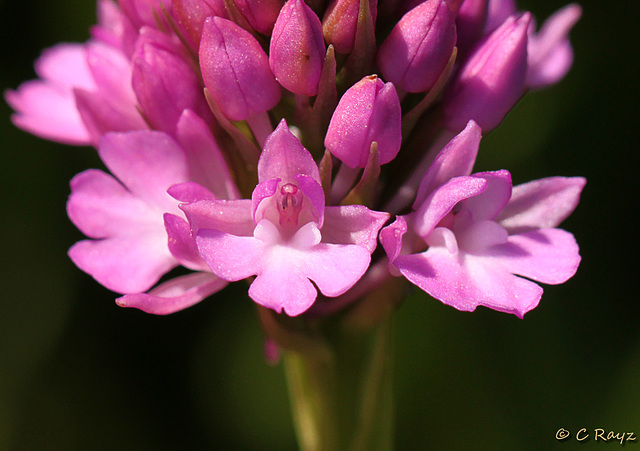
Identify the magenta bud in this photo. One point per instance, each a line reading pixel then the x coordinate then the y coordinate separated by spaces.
pixel 340 22
pixel 369 111
pixel 261 14
pixel 164 82
pixel 497 12
pixel 418 48
pixel 492 80
pixel 191 15
pixel 236 70
pixel 470 22
pixel 146 12
pixel 296 53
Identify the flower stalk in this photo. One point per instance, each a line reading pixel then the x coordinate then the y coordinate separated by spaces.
pixel 344 400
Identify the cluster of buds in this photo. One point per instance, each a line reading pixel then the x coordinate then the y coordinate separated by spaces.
pixel 280 142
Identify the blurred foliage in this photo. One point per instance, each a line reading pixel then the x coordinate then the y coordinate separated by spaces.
pixel 77 372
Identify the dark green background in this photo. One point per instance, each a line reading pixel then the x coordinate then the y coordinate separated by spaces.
pixel 77 372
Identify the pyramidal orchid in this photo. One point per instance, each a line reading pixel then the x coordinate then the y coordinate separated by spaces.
pixel 286 235
pixel 276 142
pixel 137 231
pixel 481 234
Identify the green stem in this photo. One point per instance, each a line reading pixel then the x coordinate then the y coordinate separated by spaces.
pixel 344 401
pixel 311 390
pixel 376 413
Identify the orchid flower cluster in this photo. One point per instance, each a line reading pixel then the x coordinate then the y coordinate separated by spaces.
pixel 280 142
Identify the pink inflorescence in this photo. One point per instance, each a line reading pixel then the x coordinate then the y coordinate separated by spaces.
pixel 274 142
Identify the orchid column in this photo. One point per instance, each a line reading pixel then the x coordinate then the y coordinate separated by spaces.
pixel 274 143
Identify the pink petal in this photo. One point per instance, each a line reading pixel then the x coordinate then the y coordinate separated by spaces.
pixel 111 70
pixel 65 65
pixel 493 199
pixel 546 255
pixel 285 157
pixel 147 162
pixel 353 224
pixel 391 239
pixel 455 159
pixel 264 191
pixel 550 52
pixel 101 115
pixel 283 287
pixel 229 216
pixel 190 192
pixel 111 28
pixel 101 207
pixel 174 295
pixel 182 245
pixel 47 107
pixel 229 256
pixel 464 282
pixel 441 201
pixel 206 162
pixel 555 66
pixel 479 236
pixel 445 238
pixel 543 203
pixel 125 264
pixel 335 268
pixel 283 280
pixel 312 189
pixel 48 112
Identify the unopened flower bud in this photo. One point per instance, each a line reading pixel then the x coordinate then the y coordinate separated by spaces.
pixel 261 14
pixel 146 12
pixel 297 49
pixel 470 23
pixel 164 83
pixel 497 12
pixel 419 47
pixel 236 70
pixel 369 111
pixel 340 23
pixel 191 15
pixel 492 80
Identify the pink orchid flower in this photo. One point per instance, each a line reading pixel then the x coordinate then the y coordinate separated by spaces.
pixel 482 235
pixel 137 232
pixel 84 90
pixel 285 235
